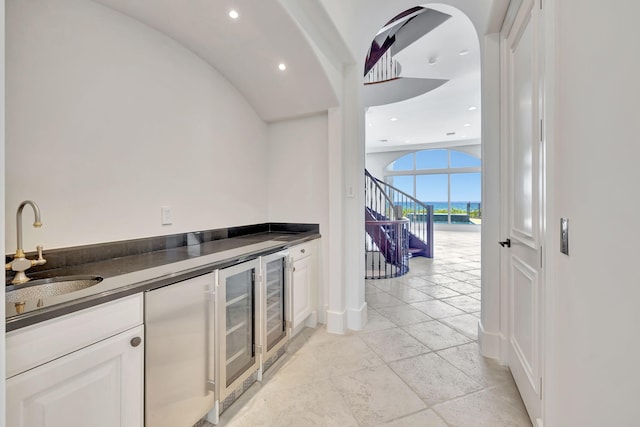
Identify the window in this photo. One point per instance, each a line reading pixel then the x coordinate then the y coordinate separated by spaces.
pixel 448 179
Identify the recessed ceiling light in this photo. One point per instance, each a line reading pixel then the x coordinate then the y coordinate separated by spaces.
pixel 463 52
pixel 394 119
pixel 282 66
pixel 467 125
pixel 450 133
pixel 473 108
pixel 384 140
pixel 407 141
pixel 233 14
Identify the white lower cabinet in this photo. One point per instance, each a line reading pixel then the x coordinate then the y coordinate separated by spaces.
pixel 98 385
pixel 304 286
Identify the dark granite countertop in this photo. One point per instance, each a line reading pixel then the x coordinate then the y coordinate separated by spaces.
pixel 130 274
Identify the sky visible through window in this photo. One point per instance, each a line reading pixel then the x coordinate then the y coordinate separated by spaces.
pixel 434 187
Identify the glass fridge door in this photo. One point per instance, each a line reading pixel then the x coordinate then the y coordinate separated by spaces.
pixel 275 301
pixel 240 322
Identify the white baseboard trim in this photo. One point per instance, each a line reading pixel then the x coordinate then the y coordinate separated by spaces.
pixel 336 322
pixel 357 319
pixel 312 320
pixel 490 343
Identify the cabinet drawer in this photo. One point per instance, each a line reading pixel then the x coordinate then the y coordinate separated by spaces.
pixel 37 344
pixel 303 250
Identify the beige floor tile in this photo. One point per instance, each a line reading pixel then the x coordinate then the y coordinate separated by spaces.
pixel 468 359
pixel 377 394
pixel 440 279
pixel 433 378
pixel 414 282
pixel 377 322
pixel 426 418
pixel 410 295
pixel 435 335
pixel 462 287
pixel 394 344
pixel 438 291
pixel 464 302
pixel 345 356
pixel 382 299
pixel 458 267
pixel 462 275
pixel 466 324
pixel 297 369
pixel 496 407
pixel 403 315
pixel 476 295
pixel 437 309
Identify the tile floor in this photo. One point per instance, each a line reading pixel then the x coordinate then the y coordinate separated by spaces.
pixel 416 363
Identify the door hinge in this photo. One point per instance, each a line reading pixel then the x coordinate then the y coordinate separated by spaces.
pixel 541 256
pixel 211 385
pixel 540 388
pixel 540 4
pixel 541 129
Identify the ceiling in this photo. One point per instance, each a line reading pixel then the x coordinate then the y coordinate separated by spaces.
pixel 246 50
pixel 451 52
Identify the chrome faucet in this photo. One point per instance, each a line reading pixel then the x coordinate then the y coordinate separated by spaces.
pixel 20 262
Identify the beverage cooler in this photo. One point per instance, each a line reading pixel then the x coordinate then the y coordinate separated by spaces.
pixel 238 325
pixel 275 304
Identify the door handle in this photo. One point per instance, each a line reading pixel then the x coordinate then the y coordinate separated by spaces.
pixel 506 243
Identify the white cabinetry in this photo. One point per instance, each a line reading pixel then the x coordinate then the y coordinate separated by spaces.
pixel 304 285
pixel 79 376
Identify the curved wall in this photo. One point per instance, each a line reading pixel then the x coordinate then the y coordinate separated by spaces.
pixel 108 120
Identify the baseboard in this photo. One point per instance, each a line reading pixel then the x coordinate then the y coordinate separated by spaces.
pixel 336 322
pixel 312 320
pixel 357 319
pixel 490 343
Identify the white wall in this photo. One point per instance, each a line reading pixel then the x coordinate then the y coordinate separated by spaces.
pixel 298 172
pixel 593 369
pixel 107 120
pixel 2 224
pixel 298 183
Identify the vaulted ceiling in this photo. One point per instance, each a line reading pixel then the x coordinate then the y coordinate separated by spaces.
pixel 247 50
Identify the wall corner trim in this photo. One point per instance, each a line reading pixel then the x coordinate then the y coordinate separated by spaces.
pixel 357 318
pixel 491 343
pixel 336 322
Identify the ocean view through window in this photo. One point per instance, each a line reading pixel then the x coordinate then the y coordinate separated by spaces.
pixel 448 179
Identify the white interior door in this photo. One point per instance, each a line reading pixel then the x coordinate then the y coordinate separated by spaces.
pixel 521 260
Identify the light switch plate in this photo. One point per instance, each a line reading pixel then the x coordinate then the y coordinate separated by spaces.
pixel 166 216
pixel 564 235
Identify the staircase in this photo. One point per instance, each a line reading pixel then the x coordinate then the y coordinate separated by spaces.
pixel 397 226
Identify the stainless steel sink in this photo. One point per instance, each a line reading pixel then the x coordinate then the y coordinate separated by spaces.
pixel 45 288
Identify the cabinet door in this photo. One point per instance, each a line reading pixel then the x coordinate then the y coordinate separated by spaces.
pixel 99 386
pixel 302 270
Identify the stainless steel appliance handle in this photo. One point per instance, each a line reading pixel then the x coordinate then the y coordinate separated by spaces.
pixel 211 335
